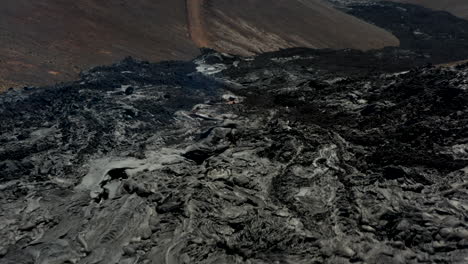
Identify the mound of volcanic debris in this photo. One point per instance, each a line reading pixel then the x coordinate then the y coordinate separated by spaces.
pixel 437 35
pixel 270 159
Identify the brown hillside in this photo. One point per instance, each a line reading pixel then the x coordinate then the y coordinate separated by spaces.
pixel 52 40
pixel 264 25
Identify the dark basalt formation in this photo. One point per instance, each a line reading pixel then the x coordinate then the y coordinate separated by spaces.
pixel 279 158
pixel 437 35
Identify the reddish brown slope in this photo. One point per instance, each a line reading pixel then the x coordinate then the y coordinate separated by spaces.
pixel 456 7
pixel 47 41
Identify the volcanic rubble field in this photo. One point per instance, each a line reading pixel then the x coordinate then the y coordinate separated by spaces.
pixel 269 159
pixel 435 34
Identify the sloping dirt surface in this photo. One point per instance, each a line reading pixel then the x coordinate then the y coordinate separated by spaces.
pixel 260 25
pixel 49 41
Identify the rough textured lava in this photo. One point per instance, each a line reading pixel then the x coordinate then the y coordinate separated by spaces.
pixel 456 7
pixel 438 36
pixel 278 158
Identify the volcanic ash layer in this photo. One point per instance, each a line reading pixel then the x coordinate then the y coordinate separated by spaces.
pixel 237 160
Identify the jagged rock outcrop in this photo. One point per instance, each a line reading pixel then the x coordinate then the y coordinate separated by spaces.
pixel 271 159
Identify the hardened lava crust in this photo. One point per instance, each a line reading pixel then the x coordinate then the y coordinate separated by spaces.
pixel 278 158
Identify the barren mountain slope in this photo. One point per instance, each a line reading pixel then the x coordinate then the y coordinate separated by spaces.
pixel 46 41
pixel 261 25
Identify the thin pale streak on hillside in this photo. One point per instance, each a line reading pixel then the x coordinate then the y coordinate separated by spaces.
pixel 196 24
